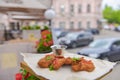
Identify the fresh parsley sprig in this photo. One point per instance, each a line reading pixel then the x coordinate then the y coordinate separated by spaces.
pixel 75 59
pixel 51 68
pixel 48 58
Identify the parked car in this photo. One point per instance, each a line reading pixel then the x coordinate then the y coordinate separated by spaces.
pixel 106 27
pixel 117 29
pixel 62 34
pixel 103 48
pixel 57 31
pixel 93 31
pixel 75 39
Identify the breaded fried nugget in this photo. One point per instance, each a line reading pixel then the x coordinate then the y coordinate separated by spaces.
pixel 46 61
pixel 43 63
pixel 68 61
pixel 50 56
pixel 86 65
pixel 83 65
pixel 75 65
pixel 57 63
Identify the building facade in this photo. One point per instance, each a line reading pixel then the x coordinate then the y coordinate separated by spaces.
pixel 77 14
pixel 17 13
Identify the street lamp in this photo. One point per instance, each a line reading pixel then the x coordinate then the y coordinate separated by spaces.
pixel 50 14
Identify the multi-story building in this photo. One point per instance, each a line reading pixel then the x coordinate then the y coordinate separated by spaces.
pixel 77 14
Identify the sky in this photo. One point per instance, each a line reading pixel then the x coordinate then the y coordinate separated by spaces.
pixel 114 3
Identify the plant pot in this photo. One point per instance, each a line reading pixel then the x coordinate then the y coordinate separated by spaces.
pixel 28 34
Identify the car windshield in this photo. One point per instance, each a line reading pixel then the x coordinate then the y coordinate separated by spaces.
pixel 71 36
pixel 57 33
pixel 99 44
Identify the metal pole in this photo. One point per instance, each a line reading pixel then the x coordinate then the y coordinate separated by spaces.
pixel 50 23
pixel 55 42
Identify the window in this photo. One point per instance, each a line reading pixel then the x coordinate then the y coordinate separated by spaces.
pixel 62 24
pixel 14 26
pixel 81 35
pixel 88 24
pixel 98 22
pixel 99 44
pixel 71 9
pixel 88 8
pixel 71 25
pixel 98 7
pixel 79 25
pixel 62 8
pixel 79 8
pixel 117 43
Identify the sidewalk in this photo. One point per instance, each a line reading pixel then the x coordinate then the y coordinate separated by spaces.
pixel 10 58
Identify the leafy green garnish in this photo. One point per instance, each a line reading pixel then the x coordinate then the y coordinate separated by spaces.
pixel 24 72
pixel 32 78
pixel 75 59
pixel 51 68
pixel 48 58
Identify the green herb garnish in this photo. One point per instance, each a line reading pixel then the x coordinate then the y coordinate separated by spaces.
pixel 75 59
pixel 51 68
pixel 48 58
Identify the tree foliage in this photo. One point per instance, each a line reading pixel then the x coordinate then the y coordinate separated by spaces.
pixel 113 16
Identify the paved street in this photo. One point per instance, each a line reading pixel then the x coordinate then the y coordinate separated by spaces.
pixel 9 60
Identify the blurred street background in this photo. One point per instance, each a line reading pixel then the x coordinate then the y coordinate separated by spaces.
pixel 77 24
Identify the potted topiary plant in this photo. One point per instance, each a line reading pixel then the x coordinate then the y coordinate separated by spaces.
pixel 43 46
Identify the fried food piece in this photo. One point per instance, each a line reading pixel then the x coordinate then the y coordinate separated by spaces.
pixel 46 61
pixel 43 63
pixel 86 65
pixel 54 62
pixel 68 61
pixel 83 65
pixel 75 65
pixel 58 62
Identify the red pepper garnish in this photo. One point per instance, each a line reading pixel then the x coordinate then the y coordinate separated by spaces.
pixel 18 76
